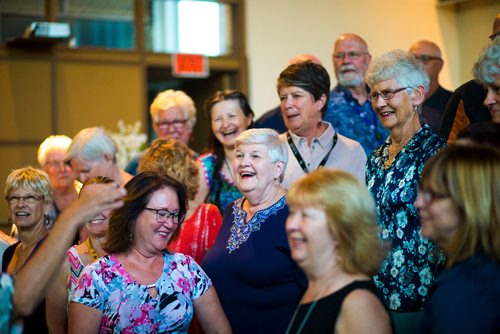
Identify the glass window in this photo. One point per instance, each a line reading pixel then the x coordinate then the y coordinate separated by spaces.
pixel 16 16
pixel 183 26
pixel 97 23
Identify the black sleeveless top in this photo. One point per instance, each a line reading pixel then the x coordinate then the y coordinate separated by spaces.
pixel 36 322
pixel 323 317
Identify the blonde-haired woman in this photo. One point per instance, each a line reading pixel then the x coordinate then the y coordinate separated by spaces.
pixel 203 220
pixel 29 198
pixel 333 238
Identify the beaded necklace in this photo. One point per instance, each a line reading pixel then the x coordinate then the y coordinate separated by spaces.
pixel 93 253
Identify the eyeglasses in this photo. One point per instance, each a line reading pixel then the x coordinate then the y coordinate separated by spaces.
pixel 353 55
pixel 427 58
pixel 385 94
pixel 428 196
pixel 162 215
pixel 176 123
pixel 14 199
pixel 493 36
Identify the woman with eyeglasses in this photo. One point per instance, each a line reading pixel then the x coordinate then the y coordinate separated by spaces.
pixel 139 287
pixel 459 208
pixel 29 198
pixel 398 83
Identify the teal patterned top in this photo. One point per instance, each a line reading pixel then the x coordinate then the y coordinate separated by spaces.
pixel 410 269
pixel 220 193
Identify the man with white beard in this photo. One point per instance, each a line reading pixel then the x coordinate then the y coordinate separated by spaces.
pixel 349 110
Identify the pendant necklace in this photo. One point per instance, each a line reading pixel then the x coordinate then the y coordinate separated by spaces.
pixel 392 155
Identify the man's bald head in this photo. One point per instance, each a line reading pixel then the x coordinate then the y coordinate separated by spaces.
pixel 430 55
pixel 350 37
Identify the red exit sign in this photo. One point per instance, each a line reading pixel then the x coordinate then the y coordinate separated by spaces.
pixel 189 66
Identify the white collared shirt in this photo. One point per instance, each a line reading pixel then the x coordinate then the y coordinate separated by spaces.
pixel 347 155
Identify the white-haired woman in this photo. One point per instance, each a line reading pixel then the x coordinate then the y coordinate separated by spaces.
pixel 398 84
pixel 487 73
pixel 51 159
pixel 92 153
pixel 257 281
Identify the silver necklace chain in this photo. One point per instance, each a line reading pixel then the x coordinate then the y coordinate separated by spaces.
pixel 308 314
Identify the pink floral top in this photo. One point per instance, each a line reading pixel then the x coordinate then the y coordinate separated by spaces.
pixel 126 305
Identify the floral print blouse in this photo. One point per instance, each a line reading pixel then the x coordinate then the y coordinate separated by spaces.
pixel 411 266
pixel 126 305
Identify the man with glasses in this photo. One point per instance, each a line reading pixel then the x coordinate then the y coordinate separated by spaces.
pixel 349 109
pixel 437 97
pixel 173 115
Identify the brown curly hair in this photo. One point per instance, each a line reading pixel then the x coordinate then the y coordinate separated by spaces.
pixel 172 157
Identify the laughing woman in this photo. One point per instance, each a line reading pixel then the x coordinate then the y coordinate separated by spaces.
pixel 77 257
pixel 333 236
pixel 29 197
pixel 230 114
pixel 140 287
pixel 398 84
pixel 257 281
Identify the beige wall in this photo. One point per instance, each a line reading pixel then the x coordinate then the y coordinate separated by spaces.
pixel 279 29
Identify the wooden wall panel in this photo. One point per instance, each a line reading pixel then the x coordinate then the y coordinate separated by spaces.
pixel 13 157
pixel 98 94
pixel 25 100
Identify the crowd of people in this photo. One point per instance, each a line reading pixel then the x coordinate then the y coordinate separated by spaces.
pixel 372 207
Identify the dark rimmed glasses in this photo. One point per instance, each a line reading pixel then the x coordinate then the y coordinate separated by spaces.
pixel 162 215
pixel 14 199
pixel 427 58
pixel 385 94
pixel 176 123
pixel 428 196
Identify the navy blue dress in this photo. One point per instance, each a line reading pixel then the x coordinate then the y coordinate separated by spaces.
pixel 465 299
pixel 258 283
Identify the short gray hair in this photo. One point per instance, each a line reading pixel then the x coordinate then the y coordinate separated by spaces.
pixel 398 65
pixel 174 98
pixel 91 144
pixel 52 143
pixel 487 68
pixel 276 149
